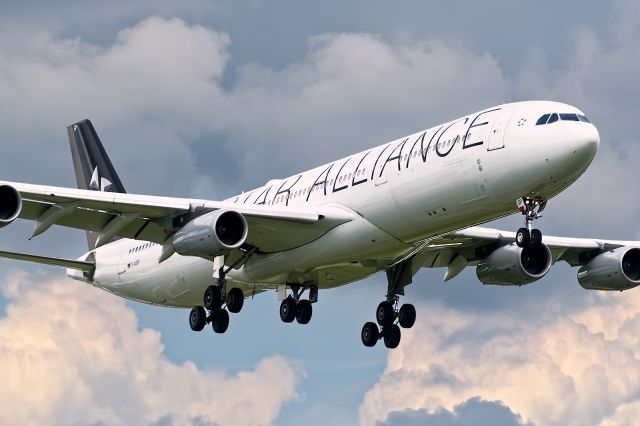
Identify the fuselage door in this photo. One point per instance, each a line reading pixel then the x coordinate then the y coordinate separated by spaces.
pixel 496 137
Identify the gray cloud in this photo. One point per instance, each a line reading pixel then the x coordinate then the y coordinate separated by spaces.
pixel 228 97
pixel 472 412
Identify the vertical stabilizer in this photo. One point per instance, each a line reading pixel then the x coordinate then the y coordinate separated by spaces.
pixel 93 168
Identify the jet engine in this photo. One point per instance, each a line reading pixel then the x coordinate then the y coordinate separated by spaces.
pixel 212 234
pixel 617 269
pixel 512 265
pixel 10 204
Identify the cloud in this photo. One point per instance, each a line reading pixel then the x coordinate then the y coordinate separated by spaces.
pixel 71 354
pixel 550 365
pixel 144 91
pixel 157 92
pixel 472 412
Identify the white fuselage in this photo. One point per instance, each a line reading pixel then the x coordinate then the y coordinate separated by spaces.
pixel 452 176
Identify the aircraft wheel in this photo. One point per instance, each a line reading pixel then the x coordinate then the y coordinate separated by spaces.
pixel 212 298
pixel 220 321
pixel 523 237
pixel 370 334
pixel 407 315
pixel 235 300
pixel 197 318
pixel 304 310
pixel 392 336
pixel 536 238
pixel 385 314
pixel 288 310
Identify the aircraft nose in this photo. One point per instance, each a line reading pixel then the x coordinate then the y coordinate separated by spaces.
pixel 574 152
pixel 585 144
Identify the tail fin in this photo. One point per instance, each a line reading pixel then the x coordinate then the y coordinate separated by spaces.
pixel 93 168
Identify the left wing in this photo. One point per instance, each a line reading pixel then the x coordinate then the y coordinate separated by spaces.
pixel 610 264
pixel 155 219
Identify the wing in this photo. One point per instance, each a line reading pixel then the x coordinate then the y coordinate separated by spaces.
pixel 154 219
pixel 470 246
pixel 80 265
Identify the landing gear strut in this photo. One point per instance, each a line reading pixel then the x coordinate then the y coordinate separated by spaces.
pixel 293 307
pixel 531 209
pixel 388 316
pixel 217 303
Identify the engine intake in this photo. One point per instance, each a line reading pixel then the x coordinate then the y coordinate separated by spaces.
pixel 512 265
pixel 10 204
pixel 617 269
pixel 212 234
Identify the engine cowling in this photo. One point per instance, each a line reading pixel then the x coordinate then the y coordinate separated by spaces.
pixel 617 269
pixel 10 204
pixel 512 265
pixel 212 234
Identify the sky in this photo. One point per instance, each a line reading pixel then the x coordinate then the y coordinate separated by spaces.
pixel 209 98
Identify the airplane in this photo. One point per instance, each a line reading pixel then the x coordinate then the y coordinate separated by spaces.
pixel 411 203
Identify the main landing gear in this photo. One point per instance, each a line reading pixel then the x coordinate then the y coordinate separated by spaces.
pixel 218 302
pixel 293 307
pixel 388 316
pixel 531 209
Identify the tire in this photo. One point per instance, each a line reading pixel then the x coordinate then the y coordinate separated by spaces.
pixel 385 314
pixel 523 238
pixel 288 310
pixel 212 298
pixel 235 300
pixel 392 336
pixel 536 238
pixel 407 315
pixel 197 318
pixel 304 310
pixel 220 321
pixel 370 334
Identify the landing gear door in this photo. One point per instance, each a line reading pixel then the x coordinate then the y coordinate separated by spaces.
pixel 496 137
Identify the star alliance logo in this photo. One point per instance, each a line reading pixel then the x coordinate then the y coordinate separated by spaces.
pixel 99 184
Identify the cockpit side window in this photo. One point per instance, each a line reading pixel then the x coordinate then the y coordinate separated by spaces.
pixel 583 118
pixel 542 120
pixel 569 117
pixel 553 118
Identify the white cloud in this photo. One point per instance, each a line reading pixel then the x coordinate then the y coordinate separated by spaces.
pixel 547 365
pixel 71 354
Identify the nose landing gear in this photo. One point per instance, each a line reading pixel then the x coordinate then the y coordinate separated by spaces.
pixel 531 208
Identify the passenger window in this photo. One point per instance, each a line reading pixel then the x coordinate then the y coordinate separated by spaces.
pixel 542 120
pixel 569 117
pixel 553 118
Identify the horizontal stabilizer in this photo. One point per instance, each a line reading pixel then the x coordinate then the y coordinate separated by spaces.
pixel 52 261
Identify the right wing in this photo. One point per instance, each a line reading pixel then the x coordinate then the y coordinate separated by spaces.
pixel 80 265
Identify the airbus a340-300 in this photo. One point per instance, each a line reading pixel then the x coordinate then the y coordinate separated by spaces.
pixel 408 204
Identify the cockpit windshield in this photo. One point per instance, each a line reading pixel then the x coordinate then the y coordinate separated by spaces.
pixel 553 117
